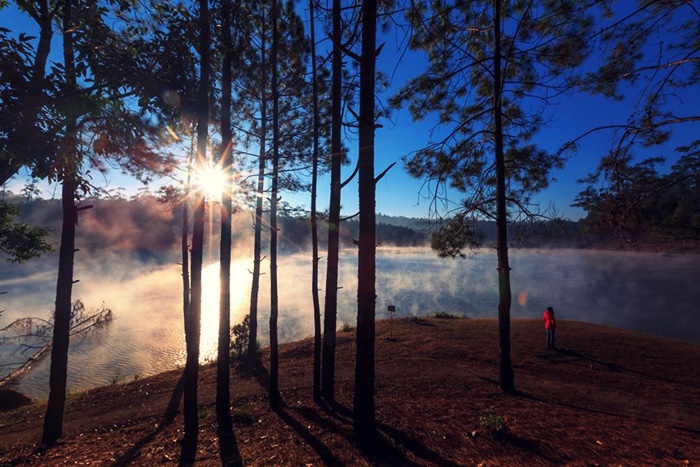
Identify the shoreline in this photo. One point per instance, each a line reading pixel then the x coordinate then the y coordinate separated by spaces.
pixel 14 390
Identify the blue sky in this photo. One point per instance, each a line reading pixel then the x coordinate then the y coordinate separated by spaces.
pixel 400 194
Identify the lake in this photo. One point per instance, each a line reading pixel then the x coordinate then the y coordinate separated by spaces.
pixel 649 292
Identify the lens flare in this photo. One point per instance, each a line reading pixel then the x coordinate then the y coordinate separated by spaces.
pixel 522 298
pixel 211 180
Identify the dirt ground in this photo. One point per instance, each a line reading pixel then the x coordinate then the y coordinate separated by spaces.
pixel 604 397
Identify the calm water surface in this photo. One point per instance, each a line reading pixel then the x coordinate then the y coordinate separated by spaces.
pixel 648 292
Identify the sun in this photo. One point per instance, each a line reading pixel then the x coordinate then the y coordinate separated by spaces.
pixel 211 180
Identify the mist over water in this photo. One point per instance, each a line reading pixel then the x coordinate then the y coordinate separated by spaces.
pixel 648 292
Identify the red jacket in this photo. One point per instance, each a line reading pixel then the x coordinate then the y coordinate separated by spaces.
pixel 549 321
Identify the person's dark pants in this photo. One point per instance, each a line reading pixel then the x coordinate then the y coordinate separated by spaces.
pixel 550 338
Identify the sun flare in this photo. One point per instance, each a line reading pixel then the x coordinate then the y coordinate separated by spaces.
pixel 211 180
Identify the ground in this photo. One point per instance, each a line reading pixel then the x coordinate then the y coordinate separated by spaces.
pixel 605 397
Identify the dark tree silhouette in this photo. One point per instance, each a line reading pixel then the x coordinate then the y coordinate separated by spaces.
pixel 223 378
pixel 191 379
pixel 330 310
pixel 53 420
pixel 274 398
pixel 363 402
pixel 316 391
pixel 260 193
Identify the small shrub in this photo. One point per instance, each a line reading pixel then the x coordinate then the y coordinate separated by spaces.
pixel 116 376
pixel 240 336
pixel 242 416
pixel 346 327
pixel 415 319
pixel 493 422
pixel 446 315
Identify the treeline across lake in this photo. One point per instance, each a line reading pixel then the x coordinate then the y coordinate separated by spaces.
pixel 147 226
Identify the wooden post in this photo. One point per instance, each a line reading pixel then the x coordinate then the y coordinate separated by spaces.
pixel 392 310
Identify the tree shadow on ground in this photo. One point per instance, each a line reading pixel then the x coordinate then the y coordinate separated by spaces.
pixel 228 446
pixel 163 423
pixel 611 366
pixel 252 366
pixel 321 449
pixel 419 449
pixel 599 411
pixel 422 322
pixel 337 410
pixel 379 450
pixel 531 446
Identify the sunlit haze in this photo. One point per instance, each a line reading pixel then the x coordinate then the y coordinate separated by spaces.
pixel 211 180
pixel 147 335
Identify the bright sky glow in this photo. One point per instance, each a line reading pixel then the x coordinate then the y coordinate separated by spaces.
pixel 399 136
pixel 211 180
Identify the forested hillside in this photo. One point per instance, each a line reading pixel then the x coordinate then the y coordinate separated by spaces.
pixel 118 224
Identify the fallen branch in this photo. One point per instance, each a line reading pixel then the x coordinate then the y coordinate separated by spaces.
pixel 26 366
pixel 81 323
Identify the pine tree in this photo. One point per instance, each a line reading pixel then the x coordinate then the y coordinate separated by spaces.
pixel 494 67
pixel 363 401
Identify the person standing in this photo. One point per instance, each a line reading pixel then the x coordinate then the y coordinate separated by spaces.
pixel 550 325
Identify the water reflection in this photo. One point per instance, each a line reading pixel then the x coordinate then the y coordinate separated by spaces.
pixel 630 290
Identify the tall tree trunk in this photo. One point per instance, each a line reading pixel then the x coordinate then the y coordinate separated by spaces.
pixel 314 227
pixel 274 352
pixel 257 255
pixel 192 344
pixel 363 407
pixel 260 190
pixel 506 377
pixel 330 312
pixel 53 420
pixel 223 380
pixel 184 246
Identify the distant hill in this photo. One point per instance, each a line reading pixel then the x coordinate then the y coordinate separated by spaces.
pixel 150 228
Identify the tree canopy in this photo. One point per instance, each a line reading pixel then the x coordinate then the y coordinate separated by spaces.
pixel 541 46
pixel 635 202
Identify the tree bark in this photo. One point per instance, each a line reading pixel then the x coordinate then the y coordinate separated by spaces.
pixel 274 351
pixel 53 420
pixel 185 250
pixel 331 297
pixel 223 379
pixel 363 407
pixel 192 361
pixel 314 228
pixel 506 377
pixel 257 246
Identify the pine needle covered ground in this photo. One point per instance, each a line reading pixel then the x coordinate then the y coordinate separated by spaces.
pixel 605 397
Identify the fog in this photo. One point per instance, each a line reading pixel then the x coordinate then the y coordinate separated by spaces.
pixel 649 292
